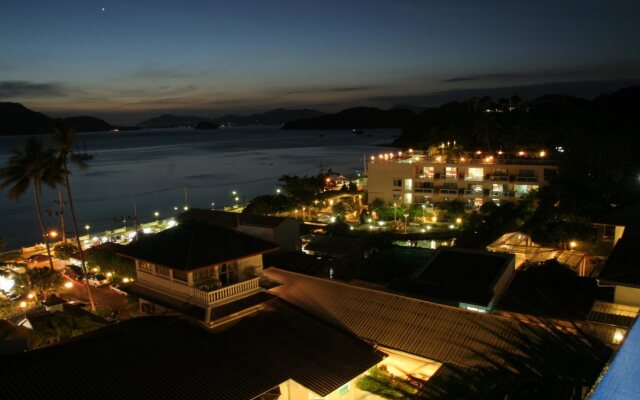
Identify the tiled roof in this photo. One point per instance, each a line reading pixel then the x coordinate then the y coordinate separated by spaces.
pixel 429 330
pixel 225 219
pixel 623 265
pixel 194 244
pixel 172 358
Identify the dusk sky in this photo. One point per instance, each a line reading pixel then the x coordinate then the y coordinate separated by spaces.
pixel 123 60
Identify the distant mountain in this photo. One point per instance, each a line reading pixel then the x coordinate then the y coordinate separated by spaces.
pixel 206 125
pixel 357 118
pixel 172 121
pixel 88 124
pixel 274 117
pixel 401 106
pixel 16 119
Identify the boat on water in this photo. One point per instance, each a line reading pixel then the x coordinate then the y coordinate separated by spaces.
pixel 357 132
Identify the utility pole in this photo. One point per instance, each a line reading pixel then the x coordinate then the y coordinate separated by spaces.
pixel 364 161
pixel 186 196
pixel 135 220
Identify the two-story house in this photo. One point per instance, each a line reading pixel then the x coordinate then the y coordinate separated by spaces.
pixel 197 268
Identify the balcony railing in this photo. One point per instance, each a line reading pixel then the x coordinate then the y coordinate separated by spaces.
pixel 499 178
pixel 449 191
pixel 528 179
pixel 473 193
pixel 423 190
pixel 197 296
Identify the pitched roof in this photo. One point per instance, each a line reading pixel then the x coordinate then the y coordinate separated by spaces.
pixel 194 244
pixel 461 275
pixel 622 266
pixel 230 220
pixel 172 358
pixel 429 330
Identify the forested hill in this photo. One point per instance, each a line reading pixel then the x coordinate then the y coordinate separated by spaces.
pixel 357 118
pixel 549 121
pixel 16 119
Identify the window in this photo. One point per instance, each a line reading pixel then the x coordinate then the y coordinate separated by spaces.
pixel 145 267
pixel 527 172
pixel 408 198
pixel 451 173
pixel 428 172
pixel 397 197
pixel 475 174
pixel 408 184
pixel 180 275
pixel 162 271
pixel 397 183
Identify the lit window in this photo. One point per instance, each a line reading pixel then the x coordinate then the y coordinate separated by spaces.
pixel 428 172
pixel 618 336
pixel 475 174
pixel 451 173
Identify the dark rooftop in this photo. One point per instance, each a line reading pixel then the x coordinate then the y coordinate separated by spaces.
pixel 563 297
pixel 623 266
pixel 460 275
pixel 173 358
pixel 194 244
pixel 334 246
pixel 230 220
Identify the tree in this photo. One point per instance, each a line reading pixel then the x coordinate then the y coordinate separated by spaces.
pixel 64 137
pixel 64 251
pixel 35 166
pixel 42 281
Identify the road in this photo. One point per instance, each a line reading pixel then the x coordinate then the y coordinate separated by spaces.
pixel 102 296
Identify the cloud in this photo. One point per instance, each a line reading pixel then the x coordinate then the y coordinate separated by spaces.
pixel 543 75
pixel 23 89
pixel 155 72
pixel 337 89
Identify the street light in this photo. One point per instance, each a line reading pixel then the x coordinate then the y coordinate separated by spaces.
pixel 53 234
pixel 424 207
pixel 68 284
pixel 405 222
pixel 573 244
pixel 156 214
pixel 278 191
pixel 394 211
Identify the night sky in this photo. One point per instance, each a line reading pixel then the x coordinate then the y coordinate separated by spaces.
pixel 124 60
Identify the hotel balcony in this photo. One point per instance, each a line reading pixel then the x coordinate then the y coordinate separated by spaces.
pixel 526 179
pixel 188 294
pixel 499 178
pixel 473 193
pixel 448 191
pixel 423 190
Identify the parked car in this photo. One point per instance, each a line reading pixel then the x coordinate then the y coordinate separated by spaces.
pixel 36 258
pixel 98 280
pixel 117 288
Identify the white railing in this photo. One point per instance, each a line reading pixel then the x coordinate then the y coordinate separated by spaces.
pixel 194 295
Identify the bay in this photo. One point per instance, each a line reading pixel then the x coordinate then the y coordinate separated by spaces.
pixel 153 167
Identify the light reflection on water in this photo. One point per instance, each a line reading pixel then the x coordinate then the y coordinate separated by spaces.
pixel 153 166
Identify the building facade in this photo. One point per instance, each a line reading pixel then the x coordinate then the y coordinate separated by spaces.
pixel 474 178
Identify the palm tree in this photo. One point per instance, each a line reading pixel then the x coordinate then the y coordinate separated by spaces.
pixel 35 165
pixel 64 137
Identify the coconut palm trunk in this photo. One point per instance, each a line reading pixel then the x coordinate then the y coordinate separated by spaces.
pixel 43 229
pixel 77 235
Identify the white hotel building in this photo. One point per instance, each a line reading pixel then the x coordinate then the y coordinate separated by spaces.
pixel 416 177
